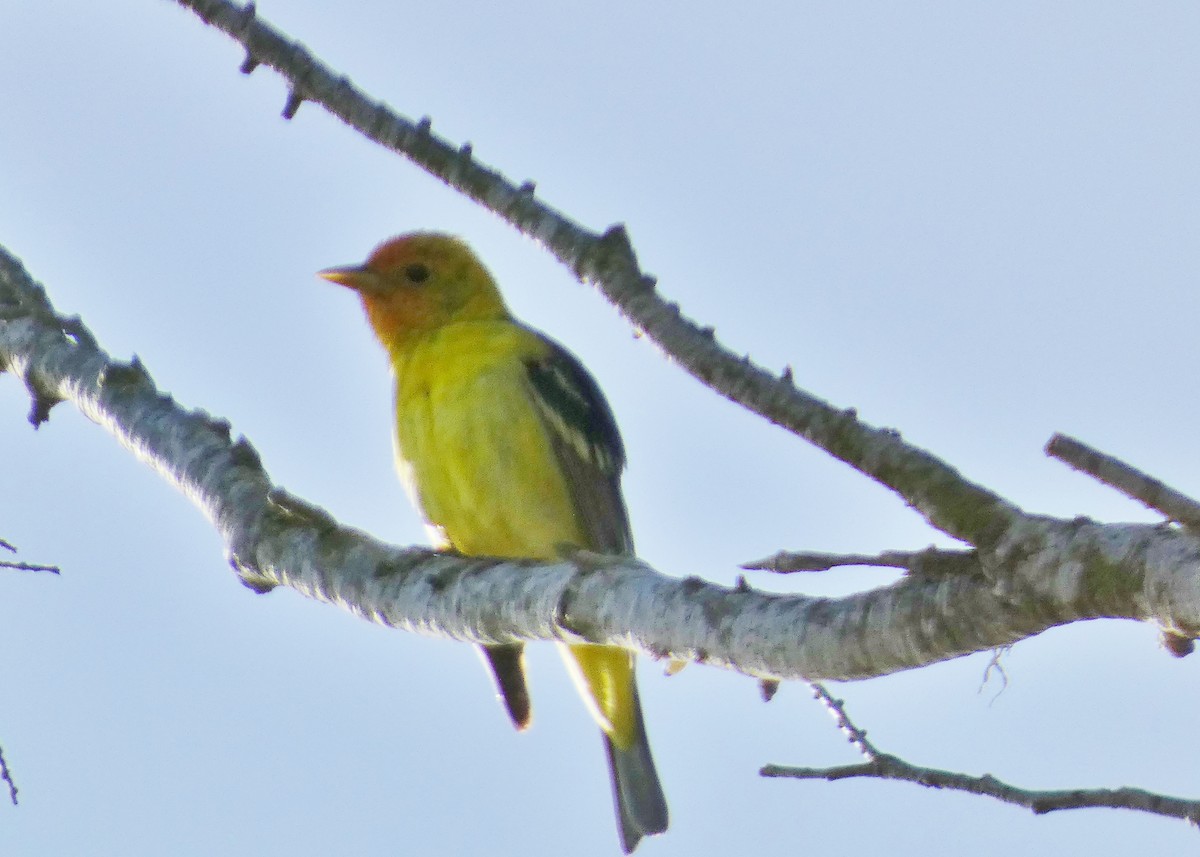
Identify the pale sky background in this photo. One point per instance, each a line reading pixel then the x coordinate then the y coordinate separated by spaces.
pixel 978 223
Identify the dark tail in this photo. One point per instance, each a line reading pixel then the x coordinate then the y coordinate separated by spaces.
pixel 507 664
pixel 638 796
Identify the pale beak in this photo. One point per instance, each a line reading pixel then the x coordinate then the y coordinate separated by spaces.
pixel 354 277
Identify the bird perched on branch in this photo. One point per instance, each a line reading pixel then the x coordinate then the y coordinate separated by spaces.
pixel 510 450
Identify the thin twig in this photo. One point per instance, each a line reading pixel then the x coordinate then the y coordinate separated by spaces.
pixel 789 562
pixel 837 708
pixel 884 766
pixel 23 566
pixel 29 566
pixel 994 665
pixel 1127 479
pixel 888 767
pixel 6 776
pixel 931 562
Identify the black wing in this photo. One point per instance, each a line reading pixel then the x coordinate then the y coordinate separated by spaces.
pixel 587 443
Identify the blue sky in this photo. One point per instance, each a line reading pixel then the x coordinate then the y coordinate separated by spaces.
pixel 976 223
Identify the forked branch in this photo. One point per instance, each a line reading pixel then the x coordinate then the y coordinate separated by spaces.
pixel 885 766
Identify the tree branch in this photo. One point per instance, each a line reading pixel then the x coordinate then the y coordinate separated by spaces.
pixel 837 709
pixel 1043 572
pixel 889 767
pixel 28 566
pixel 941 494
pixel 1140 486
pixel 6 777
pixel 884 766
pixel 23 566
pixel 931 562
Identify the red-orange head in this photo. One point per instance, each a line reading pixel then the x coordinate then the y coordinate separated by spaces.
pixel 416 283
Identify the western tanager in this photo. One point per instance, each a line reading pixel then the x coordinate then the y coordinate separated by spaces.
pixel 509 449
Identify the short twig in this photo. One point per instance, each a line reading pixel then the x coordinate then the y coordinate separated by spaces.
pixel 931 562
pixel 29 566
pixel 837 708
pixel 1130 481
pixel 788 562
pixel 6 776
pixel 995 666
pixel 23 566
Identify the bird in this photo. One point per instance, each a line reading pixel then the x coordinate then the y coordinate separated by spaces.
pixel 508 449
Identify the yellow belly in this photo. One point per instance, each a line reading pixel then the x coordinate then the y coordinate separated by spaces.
pixel 481 466
pixel 478 457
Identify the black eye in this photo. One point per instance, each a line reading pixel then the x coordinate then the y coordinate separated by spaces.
pixel 416 273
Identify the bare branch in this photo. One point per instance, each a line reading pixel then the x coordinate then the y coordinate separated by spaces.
pixel 23 566
pixel 887 767
pixel 936 490
pixel 6 776
pixel 28 566
pixel 837 708
pixel 788 562
pixel 1041 572
pixel 931 562
pixel 1127 479
pixel 884 766
pixel 996 666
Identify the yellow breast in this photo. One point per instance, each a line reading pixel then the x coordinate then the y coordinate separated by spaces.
pixel 474 447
